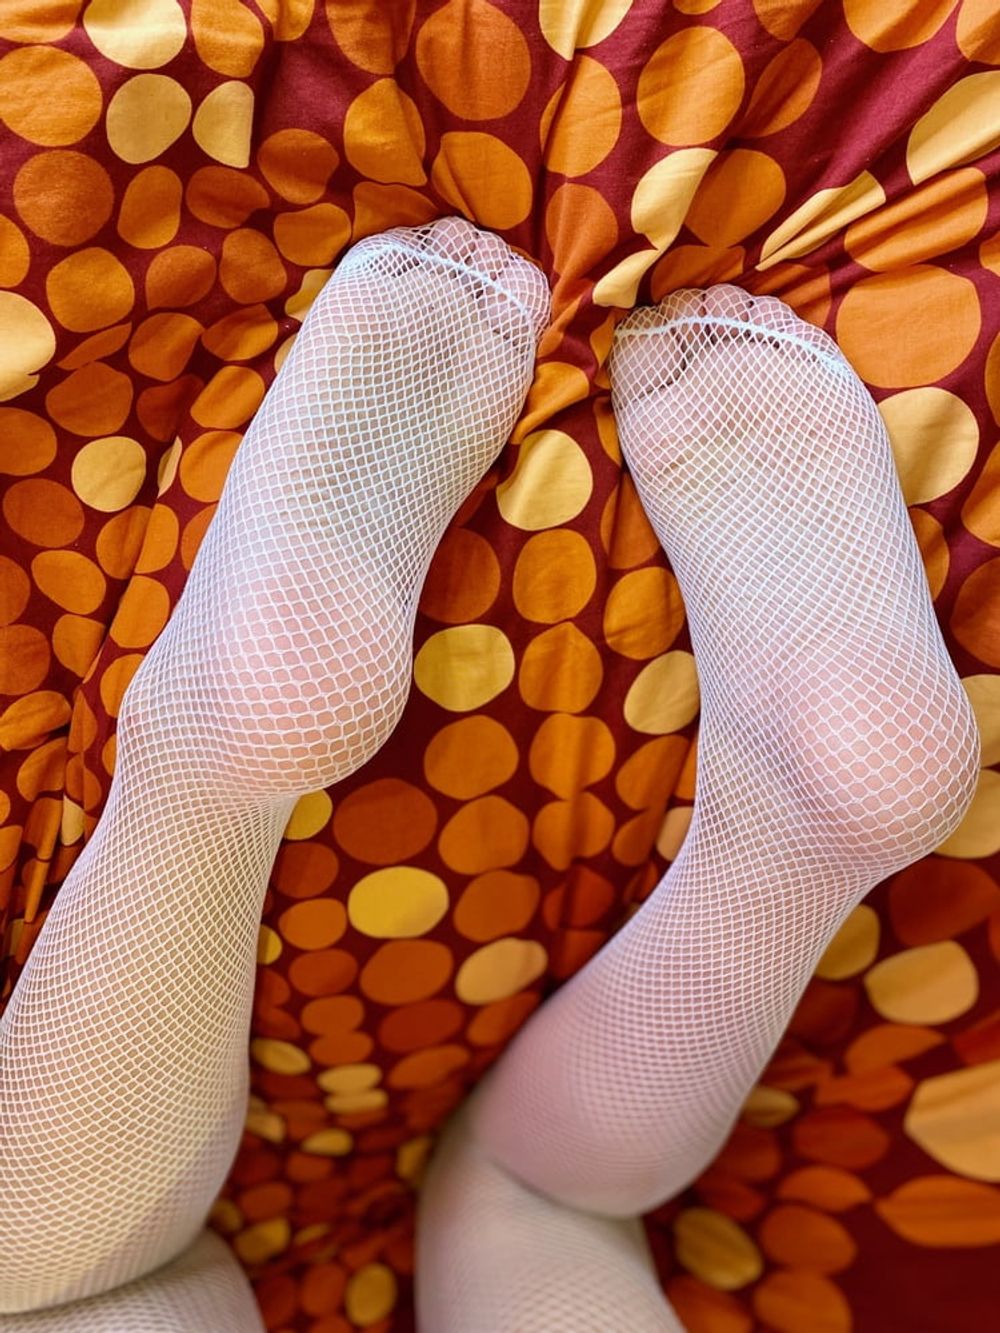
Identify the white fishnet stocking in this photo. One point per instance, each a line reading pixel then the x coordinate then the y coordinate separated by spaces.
pixel 495 1257
pixel 203 1291
pixel 286 663
pixel 836 746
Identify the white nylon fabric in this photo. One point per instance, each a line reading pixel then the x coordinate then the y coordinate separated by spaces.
pixel 284 667
pixel 836 746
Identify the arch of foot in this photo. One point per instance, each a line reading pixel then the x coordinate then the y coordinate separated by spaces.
pixel 156 258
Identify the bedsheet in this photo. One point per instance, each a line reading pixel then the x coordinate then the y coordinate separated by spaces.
pixel 179 179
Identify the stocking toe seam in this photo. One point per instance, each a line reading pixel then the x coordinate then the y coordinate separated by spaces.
pixel 837 363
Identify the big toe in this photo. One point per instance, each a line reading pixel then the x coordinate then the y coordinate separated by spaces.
pixel 517 299
pixel 653 346
pixel 727 307
pixel 510 290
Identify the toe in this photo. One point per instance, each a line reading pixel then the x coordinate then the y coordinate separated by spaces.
pixel 517 293
pixel 490 255
pixel 725 301
pixel 685 303
pixel 652 347
pixel 474 270
pixel 461 242
pixel 643 362
pixel 509 289
pixel 668 332
pixel 450 238
pixel 770 313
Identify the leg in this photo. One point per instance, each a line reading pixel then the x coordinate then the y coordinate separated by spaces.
pixel 836 747
pixel 203 1291
pixel 123 1066
pixel 495 1257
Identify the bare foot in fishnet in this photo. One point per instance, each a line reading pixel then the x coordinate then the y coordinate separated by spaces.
pixel 285 665
pixel 836 746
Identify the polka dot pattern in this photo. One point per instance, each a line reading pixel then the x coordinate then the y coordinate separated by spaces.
pixel 171 210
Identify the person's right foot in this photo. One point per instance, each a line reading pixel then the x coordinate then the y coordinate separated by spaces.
pixel 290 649
pixel 286 662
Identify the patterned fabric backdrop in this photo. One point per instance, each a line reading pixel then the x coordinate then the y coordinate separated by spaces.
pixel 179 178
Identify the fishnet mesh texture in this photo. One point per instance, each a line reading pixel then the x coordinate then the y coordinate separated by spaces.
pixel 493 1256
pixel 836 746
pixel 203 1291
pixel 285 665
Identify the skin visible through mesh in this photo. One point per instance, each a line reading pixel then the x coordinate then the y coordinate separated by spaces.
pixel 204 1290
pixel 285 665
pixel 836 746
pixel 496 1257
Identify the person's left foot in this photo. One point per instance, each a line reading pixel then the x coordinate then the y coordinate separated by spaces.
pixel 836 746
